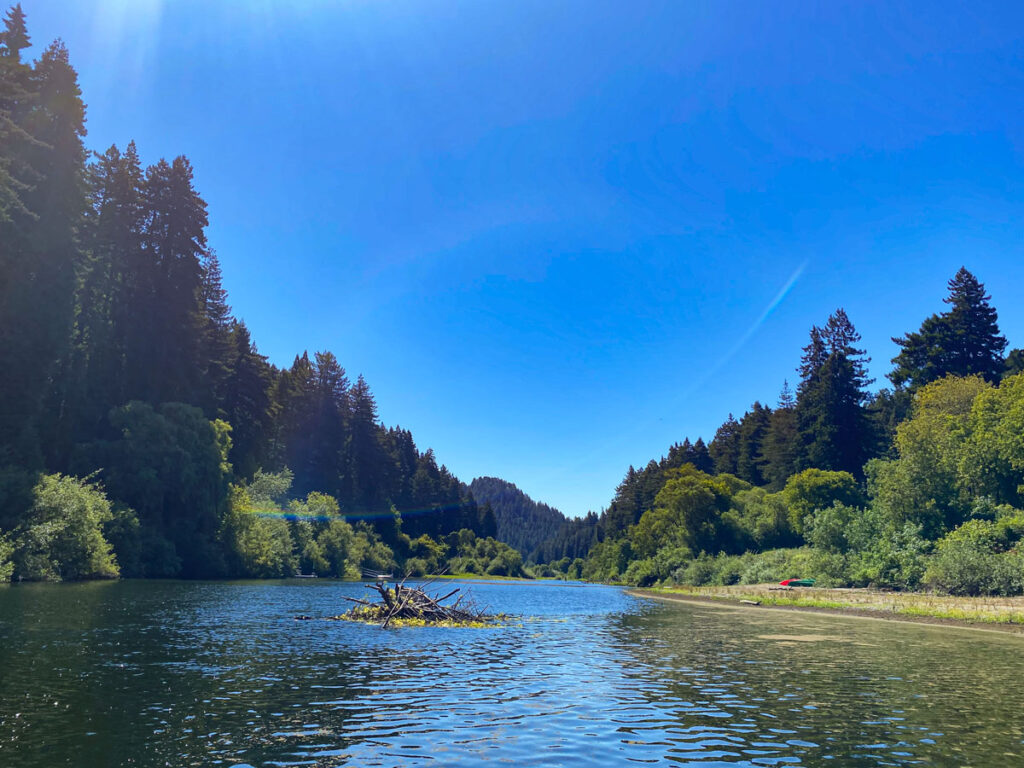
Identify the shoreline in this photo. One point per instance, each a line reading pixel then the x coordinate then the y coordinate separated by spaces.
pixel 848 610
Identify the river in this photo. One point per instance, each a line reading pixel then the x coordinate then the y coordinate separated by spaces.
pixel 196 674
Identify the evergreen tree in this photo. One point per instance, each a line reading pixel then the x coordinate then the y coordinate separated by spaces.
pixel 16 100
pixel 1014 363
pixel 834 429
pixel 702 457
pixel 781 447
pixel 216 345
pixel 725 448
pixel 111 234
pixel 364 452
pixel 961 342
pixel 162 349
pixel 753 430
pixel 42 111
pixel 247 404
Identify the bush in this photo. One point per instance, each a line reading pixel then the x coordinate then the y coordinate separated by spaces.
pixel 6 566
pixel 641 573
pixel 896 560
pixel 62 535
pixel 971 560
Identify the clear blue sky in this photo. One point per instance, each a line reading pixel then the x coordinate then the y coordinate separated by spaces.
pixel 549 233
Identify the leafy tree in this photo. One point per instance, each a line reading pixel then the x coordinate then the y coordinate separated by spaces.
pixel 170 465
pixel 6 564
pixel 815 489
pixel 257 546
pixel 686 512
pixel 61 538
pixel 963 341
pixel 992 464
pixel 922 485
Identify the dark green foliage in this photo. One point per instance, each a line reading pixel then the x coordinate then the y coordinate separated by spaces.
pixel 169 464
pixel 42 199
pixel 780 448
pixel 835 433
pixel 1014 363
pixel 963 341
pixel 753 432
pixel 61 537
pixel 247 404
pixel 725 447
pixel 574 540
pixel 521 522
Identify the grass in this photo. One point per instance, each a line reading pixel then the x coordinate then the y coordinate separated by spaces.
pixel 984 610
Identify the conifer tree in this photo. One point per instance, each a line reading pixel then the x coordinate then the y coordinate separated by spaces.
pixel 725 448
pixel 702 457
pixel 752 433
pixel 163 345
pixel 834 428
pixel 781 447
pixel 15 102
pixel 963 341
pixel 43 111
pixel 363 452
pixel 247 404
pixel 216 345
pixel 1014 363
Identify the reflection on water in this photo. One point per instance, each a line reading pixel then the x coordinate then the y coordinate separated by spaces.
pixel 183 674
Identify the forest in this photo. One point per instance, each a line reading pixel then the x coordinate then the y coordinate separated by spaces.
pixel 142 433
pixel 917 486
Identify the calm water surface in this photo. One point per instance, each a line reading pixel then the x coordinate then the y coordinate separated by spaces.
pixel 190 674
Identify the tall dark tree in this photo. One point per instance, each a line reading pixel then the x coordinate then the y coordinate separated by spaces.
pixel 16 99
pixel 963 341
pixel 111 235
pixel 162 348
pixel 364 452
pixel 780 450
pixel 216 345
pixel 834 428
pixel 725 447
pixel 702 457
pixel 247 404
pixel 42 113
pixel 753 430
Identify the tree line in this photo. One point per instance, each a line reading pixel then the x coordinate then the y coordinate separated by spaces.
pixel 137 411
pixel 919 484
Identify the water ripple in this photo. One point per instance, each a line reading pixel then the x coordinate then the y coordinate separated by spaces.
pixel 198 674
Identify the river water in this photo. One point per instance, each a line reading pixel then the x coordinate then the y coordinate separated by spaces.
pixel 199 674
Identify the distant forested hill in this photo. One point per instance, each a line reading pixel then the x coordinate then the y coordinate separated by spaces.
pixel 522 522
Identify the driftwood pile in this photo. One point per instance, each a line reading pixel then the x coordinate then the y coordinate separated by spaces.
pixel 413 606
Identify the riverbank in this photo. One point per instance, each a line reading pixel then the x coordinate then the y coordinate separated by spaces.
pixel 1005 614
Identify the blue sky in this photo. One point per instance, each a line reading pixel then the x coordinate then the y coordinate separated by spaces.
pixel 554 236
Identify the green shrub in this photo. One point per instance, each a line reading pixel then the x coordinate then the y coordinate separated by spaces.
pixel 62 535
pixel 6 565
